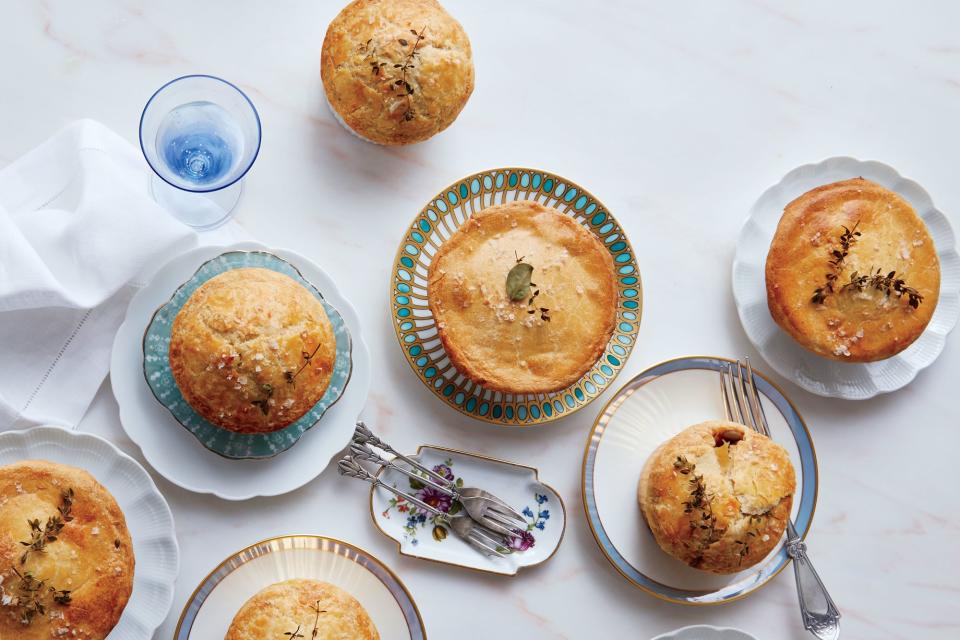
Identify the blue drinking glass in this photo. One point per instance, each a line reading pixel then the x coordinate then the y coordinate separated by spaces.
pixel 200 135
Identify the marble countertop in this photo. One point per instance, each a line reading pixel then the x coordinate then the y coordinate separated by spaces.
pixel 677 115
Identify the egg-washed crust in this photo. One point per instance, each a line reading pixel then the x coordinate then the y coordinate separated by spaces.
pixel 497 342
pixel 371 103
pixel 851 326
pixel 749 489
pixel 92 556
pixel 282 607
pixel 238 340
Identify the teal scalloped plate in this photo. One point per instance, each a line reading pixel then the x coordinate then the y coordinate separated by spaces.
pixel 156 364
pixel 415 325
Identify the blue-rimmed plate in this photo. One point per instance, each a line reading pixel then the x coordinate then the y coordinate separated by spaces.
pixel 156 363
pixel 651 408
pixel 209 611
pixel 416 328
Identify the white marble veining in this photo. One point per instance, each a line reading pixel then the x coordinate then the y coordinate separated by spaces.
pixel 676 115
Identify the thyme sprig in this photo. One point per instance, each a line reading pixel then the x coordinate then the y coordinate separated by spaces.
pixel 889 284
pixel 290 376
pixel 39 537
pixel 703 529
pixel 32 595
pixel 837 257
pixel 400 83
pixel 316 624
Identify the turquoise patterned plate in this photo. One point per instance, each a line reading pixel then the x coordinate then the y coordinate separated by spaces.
pixel 415 325
pixel 156 364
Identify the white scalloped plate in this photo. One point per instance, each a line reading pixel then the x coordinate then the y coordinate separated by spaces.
pixel 148 516
pixel 705 632
pixel 173 451
pixel 816 374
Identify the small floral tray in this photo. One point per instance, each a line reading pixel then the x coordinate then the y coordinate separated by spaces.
pixel 419 535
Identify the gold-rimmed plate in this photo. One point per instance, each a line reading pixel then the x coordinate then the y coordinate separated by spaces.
pixel 209 611
pixel 416 328
pixel 648 410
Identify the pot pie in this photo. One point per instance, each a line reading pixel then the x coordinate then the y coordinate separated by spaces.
pixel 396 71
pixel 547 337
pixel 852 273
pixel 317 610
pixel 252 350
pixel 77 566
pixel 717 496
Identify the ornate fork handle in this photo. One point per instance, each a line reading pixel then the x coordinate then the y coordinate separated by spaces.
pixel 364 452
pixel 363 436
pixel 349 467
pixel 820 615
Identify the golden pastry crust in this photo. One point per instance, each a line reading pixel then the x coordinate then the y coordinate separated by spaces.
pixel 851 325
pixel 92 556
pixel 372 99
pixel 285 606
pixel 239 347
pixel 747 491
pixel 495 341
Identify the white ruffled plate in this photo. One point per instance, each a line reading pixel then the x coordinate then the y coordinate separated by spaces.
pixel 819 375
pixel 173 451
pixel 148 516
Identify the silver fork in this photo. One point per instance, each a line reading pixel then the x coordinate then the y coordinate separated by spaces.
pixel 482 506
pixel 489 542
pixel 741 402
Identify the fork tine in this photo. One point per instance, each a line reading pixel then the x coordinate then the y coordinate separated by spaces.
pixel 490 536
pixel 509 515
pixel 759 415
pixel 496 525
pixel 475 540
pixel 736 414
pixel 725 394
pixel 496 502
pixel 741 397
pixel 748 397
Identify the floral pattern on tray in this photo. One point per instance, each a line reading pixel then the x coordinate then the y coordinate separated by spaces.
pixel 419 534
pixel 418 518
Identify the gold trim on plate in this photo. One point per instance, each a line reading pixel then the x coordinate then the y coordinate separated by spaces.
pixel 357 550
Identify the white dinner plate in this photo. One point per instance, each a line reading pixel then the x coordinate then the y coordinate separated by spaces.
pixel 650 409
pixel 211 608
pixel 173 451
pixel 157 557
pixel 825 377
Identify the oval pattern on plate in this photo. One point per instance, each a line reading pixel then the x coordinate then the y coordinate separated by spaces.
pixel 156 364
pixel 416 328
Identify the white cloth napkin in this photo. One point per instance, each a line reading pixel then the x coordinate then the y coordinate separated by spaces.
pixel 78 228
